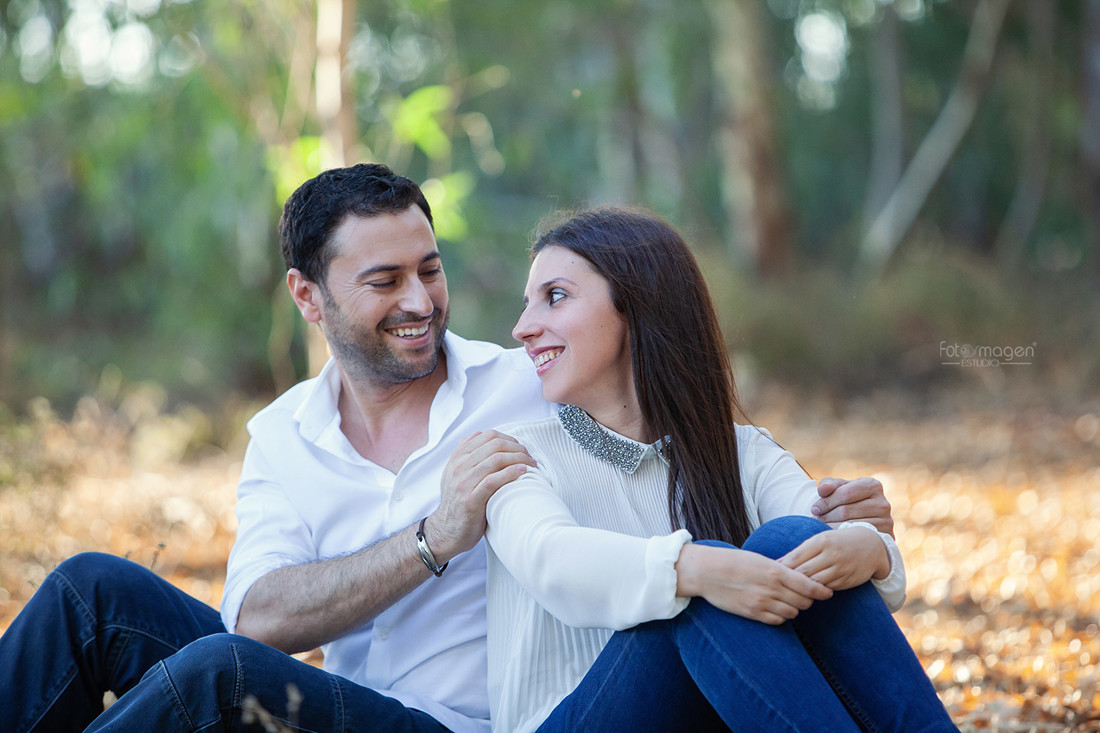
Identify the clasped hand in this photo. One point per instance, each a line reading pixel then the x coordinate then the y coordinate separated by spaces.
pixel 773 591
pixel 840 559
pixel 480 465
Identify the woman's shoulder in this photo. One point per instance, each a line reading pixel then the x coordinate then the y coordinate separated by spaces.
pixel 749 434
pixel 546 440
pixel 524 430
pixel 756 446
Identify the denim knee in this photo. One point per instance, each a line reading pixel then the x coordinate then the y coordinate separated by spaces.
pixel 206 659
pixel 90 570
pixel 90 564
pixel 715 543
pixel 777 537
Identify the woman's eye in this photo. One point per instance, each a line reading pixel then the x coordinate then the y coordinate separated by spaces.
pixel 555 295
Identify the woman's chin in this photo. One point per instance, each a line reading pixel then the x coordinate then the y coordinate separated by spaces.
pixel 557 396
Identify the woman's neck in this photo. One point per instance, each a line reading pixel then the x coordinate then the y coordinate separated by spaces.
pixel 624 418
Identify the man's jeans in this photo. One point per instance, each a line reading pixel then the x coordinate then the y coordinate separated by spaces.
pixel 841 665
pixel 101 623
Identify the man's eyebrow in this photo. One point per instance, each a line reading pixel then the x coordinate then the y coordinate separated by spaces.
pixel 378 269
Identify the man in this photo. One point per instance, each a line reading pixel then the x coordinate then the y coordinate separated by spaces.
pixel 356 531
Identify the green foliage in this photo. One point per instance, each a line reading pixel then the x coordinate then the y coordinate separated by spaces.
pixel 447 196
pixel 416 120
pixel 291 164
pixel 139 201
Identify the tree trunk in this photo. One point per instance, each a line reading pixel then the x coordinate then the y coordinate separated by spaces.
pixel 1090 129
pixel 752 182
pixel 939 145
pixel 887 117
pixel 333 81
pixel 1035 148
pixel 621 155
pixel 335 102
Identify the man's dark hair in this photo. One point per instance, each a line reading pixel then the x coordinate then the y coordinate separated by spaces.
pixel 320 205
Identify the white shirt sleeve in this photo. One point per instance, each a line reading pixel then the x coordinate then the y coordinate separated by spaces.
pixel 586 577
pixel 270 534
pixel 780 487
pixel 892 587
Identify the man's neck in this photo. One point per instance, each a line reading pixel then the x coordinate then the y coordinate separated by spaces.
pixel 386 423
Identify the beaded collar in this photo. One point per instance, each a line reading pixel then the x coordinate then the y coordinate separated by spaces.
pixel 622 452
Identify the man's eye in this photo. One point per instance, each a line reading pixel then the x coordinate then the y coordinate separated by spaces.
pixel 432 273
pixel 383 284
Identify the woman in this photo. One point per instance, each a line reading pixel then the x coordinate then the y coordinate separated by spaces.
pixel 603 614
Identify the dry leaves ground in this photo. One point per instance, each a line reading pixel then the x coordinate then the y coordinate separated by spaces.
pixel 997 504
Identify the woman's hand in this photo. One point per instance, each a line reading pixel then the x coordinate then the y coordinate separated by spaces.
pixel 745 583
pixel 842 558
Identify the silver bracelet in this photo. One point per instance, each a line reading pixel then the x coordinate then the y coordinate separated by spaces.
pixel 426 553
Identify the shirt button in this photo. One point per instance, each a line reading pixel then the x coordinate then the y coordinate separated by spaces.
pixel 398 496
pixel 383 634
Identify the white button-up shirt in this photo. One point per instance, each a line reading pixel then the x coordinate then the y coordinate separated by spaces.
pixel 306 494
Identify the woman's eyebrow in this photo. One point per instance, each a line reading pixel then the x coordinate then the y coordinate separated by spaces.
pixel 548 285
pixel 554 281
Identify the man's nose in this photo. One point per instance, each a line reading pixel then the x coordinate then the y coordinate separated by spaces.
pixel 415 298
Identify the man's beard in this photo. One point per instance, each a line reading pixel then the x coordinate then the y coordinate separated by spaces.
pixel 365 356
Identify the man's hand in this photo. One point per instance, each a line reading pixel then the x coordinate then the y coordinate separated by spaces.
pixel 480 465
pixel 849 501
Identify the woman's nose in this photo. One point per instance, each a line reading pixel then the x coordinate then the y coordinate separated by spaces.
pixel 525 327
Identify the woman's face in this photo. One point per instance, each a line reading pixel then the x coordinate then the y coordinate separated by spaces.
pixel 577 339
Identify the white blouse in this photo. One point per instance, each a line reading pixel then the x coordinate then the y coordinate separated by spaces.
pixel 582 545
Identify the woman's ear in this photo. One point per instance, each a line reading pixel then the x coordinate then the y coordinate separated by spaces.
pixel 306 293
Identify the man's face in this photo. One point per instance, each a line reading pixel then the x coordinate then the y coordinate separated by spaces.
pixel 385 304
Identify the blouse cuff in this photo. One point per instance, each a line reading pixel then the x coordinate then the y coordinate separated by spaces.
pixel 892 587
pixel 662 554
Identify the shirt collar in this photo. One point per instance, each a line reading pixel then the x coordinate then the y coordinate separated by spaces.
pixel 319 411
pixel 606 444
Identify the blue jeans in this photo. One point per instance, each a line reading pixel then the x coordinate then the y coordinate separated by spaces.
pixel 841 665
pixel 102 623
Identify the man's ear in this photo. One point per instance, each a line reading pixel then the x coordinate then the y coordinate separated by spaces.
pixel 306 293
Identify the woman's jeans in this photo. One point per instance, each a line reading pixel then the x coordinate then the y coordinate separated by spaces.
pixel 102 623
pixel 841 665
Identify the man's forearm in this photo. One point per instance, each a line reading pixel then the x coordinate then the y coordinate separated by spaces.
pixel 300 607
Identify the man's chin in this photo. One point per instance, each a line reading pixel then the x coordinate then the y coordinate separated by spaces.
pixel 417 365
pixel 416 371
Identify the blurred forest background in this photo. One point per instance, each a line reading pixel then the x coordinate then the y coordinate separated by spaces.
pixel 897 203
pixel 866 179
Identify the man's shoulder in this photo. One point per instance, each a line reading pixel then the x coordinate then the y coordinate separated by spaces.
pixel 282 409
pixel 473 354
pixel 489 366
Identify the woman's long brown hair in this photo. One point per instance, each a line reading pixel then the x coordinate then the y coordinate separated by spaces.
pixel 681 369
